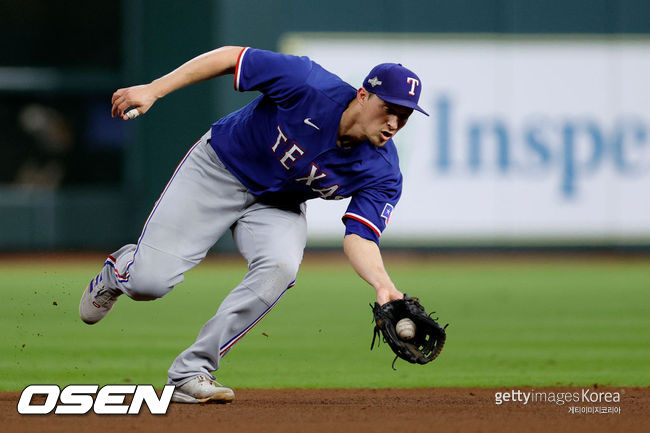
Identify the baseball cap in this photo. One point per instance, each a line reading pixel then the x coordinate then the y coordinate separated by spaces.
pixel 396 84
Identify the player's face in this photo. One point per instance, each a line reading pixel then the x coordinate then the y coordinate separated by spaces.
pixel 383 119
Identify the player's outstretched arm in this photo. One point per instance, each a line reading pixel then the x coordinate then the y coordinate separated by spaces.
pixel 212 64
pixel 365 257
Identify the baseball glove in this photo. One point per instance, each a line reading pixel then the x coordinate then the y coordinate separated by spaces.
pixel 429 337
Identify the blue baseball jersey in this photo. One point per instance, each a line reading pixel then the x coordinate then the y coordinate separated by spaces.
pixel 284 143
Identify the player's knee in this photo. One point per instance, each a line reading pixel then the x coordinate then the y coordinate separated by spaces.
pixel 285 271
pixel 270 279
pixel 149 285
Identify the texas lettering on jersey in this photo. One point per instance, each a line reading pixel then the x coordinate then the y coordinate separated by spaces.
pixel 294 152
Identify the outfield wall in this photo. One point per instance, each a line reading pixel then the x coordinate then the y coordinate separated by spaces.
pixel 135 41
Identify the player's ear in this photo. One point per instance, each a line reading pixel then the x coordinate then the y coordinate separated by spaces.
pixel 362 96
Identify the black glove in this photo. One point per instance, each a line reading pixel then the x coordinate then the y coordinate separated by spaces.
pixel 429 337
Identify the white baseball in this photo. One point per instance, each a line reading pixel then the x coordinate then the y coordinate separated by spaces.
pixel 132 113
pixel 405 329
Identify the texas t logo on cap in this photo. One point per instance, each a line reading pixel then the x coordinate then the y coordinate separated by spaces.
pixel 414 82
pixel 396 84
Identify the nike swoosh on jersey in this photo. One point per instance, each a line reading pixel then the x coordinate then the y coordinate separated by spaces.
pixel 308 122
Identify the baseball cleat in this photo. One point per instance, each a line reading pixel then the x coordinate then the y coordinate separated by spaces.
pixel 202 389
pixel 96 301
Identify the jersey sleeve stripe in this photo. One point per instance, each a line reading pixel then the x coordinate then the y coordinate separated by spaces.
pixel 363 220
pixel 238 67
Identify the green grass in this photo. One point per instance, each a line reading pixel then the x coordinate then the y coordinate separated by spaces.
pixel 527 322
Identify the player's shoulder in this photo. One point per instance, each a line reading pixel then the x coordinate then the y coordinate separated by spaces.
pixel 265 60
pixel 302 69
pixel 381 166
pixel 388 154
pixel 329 84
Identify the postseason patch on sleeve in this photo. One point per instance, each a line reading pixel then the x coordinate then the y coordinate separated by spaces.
pixel 387 212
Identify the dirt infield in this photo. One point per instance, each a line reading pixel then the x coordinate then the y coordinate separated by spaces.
pixel 362 410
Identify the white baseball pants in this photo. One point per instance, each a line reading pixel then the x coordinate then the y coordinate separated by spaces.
pixel 199 204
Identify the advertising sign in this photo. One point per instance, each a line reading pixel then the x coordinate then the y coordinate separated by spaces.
pixel 528 139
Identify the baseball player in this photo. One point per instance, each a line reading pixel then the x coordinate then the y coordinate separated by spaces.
pixel 308 135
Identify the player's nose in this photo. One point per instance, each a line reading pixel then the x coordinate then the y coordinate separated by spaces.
pixel 392 122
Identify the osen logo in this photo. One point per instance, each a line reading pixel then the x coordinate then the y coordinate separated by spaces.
pixel 80 399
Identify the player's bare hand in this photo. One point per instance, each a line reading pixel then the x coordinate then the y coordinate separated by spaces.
pixel 388 295
pixel 124 100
